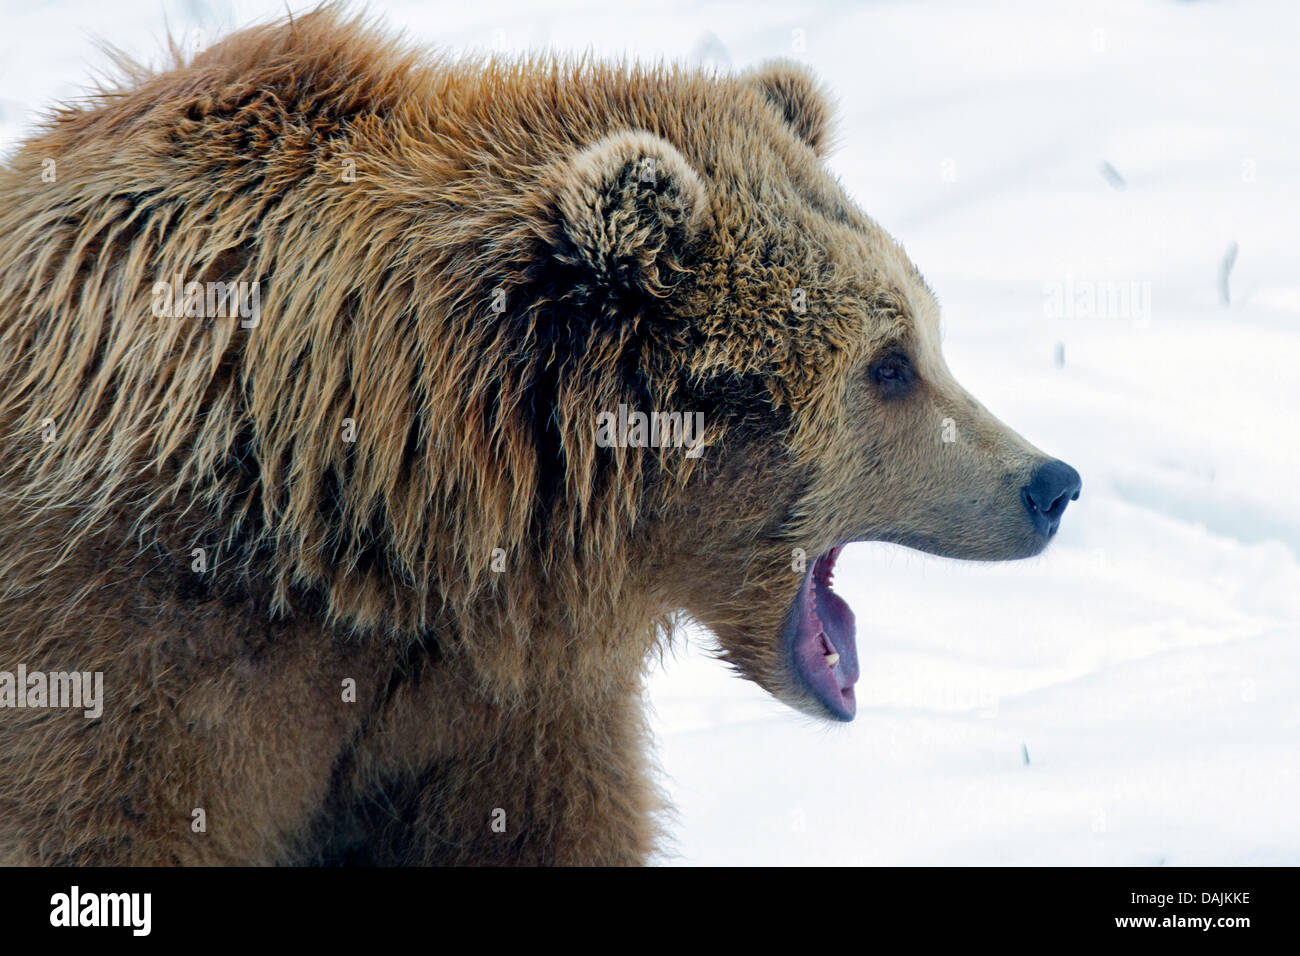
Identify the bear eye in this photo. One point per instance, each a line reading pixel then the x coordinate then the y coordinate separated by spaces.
pixel 893 375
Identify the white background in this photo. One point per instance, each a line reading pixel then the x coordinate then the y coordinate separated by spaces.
pixel 1149 663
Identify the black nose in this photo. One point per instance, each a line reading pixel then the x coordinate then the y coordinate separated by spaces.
pixel 1053 486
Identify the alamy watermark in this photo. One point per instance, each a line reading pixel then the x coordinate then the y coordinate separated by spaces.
pixel 77 690
pixel 1072 298
pixel 77 908
pixel 633 429
pixel 179 299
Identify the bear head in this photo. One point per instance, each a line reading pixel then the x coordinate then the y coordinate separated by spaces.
pixel 803 343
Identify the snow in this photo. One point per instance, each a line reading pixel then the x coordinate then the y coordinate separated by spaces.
pixel 1131 696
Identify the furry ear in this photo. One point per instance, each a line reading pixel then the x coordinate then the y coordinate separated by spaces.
pixel 799 98
pixel 629 206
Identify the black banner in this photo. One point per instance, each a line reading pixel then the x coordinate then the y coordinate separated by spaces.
pixel 1222 906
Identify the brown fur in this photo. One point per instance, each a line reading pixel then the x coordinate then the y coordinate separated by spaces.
pixel 371 560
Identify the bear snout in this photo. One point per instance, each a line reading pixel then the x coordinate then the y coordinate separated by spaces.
pixel 1053 486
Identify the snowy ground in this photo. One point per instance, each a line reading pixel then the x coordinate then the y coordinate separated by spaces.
pixel 1133 695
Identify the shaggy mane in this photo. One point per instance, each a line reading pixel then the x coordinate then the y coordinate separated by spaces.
pixel 472 428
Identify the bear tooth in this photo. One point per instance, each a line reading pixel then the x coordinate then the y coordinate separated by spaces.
pixel 832 660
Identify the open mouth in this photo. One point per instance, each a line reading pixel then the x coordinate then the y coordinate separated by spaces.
pixel 821 640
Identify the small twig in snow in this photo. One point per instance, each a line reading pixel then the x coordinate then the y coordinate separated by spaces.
pixel 1225 269
pixel 1112 175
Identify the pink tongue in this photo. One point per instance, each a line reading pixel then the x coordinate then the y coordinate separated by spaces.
pixel 825 626
pixel 840 629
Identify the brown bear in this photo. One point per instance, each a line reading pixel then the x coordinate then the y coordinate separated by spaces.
pixel 371 417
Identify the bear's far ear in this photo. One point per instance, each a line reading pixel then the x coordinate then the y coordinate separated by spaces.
pixel 799 98
pixel 628 207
